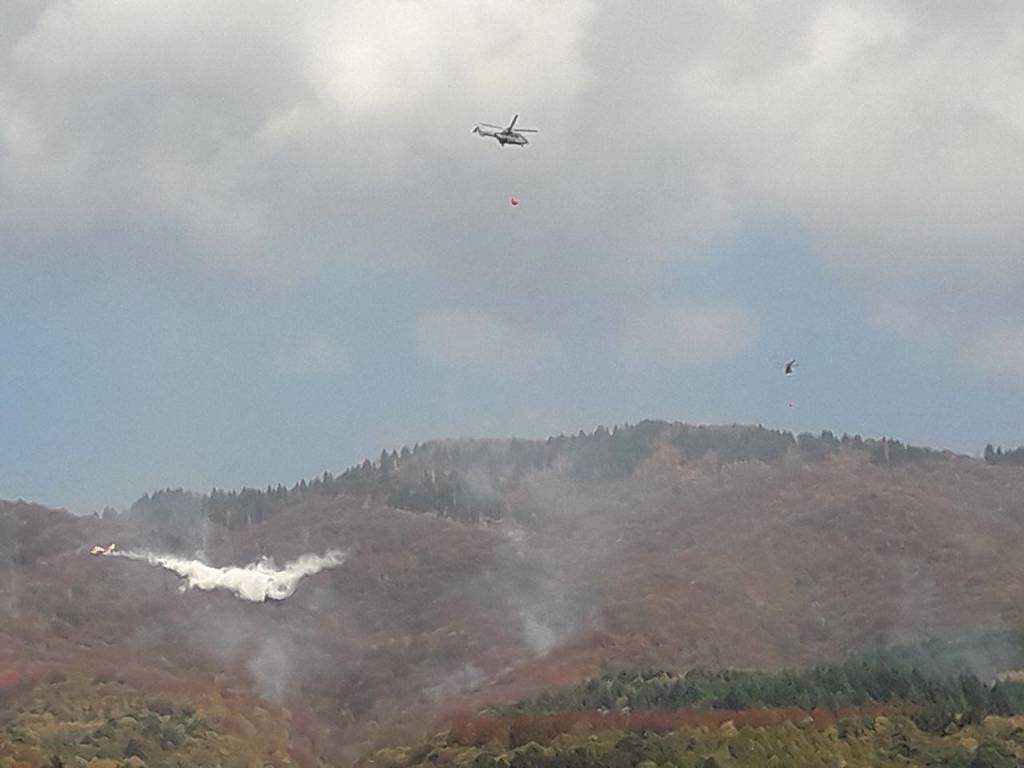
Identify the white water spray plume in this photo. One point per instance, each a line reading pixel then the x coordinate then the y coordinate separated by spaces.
pixel 255 582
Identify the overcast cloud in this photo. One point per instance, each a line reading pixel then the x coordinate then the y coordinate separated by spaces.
pixel 689 335
pixel 277 145
pixel 999 351
pixel 274 133
pixel 469 336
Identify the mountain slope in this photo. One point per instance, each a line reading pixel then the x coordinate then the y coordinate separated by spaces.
pixel 658 544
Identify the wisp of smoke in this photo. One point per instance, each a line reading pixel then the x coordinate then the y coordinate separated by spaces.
pixel 540 636
pixel 272 667
pixel 467 678
pixel 255 582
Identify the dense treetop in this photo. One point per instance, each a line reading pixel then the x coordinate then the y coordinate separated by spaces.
pixel 937 676
pixel 467 479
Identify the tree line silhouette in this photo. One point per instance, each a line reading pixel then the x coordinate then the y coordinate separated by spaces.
pixel 467 479
pixel 1014 457
pixel 933 677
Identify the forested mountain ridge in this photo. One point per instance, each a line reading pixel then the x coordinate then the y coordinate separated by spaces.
pixel 661 545
pixel 901 718
pixel 467 479
pixel 918 705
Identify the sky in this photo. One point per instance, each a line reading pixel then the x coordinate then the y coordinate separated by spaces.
pixel 245 242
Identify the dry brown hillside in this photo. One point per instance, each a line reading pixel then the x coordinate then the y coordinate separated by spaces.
pixel 644 552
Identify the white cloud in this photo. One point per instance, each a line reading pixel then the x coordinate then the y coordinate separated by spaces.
pixel 271 134
pixel 465 336
pixel 267 133
pixel 689 335
pixel 311 356
pixel 903 320
pixel 997 351
pixel 889 131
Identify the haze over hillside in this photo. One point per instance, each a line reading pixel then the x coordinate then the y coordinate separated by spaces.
pixel 487 570
pixel 241 242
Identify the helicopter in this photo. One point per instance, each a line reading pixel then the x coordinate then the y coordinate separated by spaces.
pixel 504 135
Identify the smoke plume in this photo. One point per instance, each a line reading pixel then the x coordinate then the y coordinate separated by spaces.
pixel 255 582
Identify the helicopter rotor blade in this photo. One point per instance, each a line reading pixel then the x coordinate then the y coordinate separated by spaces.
pixel 490 125
pixel 513 123
pixel 526 130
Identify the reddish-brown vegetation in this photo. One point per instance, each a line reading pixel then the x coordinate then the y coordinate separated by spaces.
pixel 681 563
